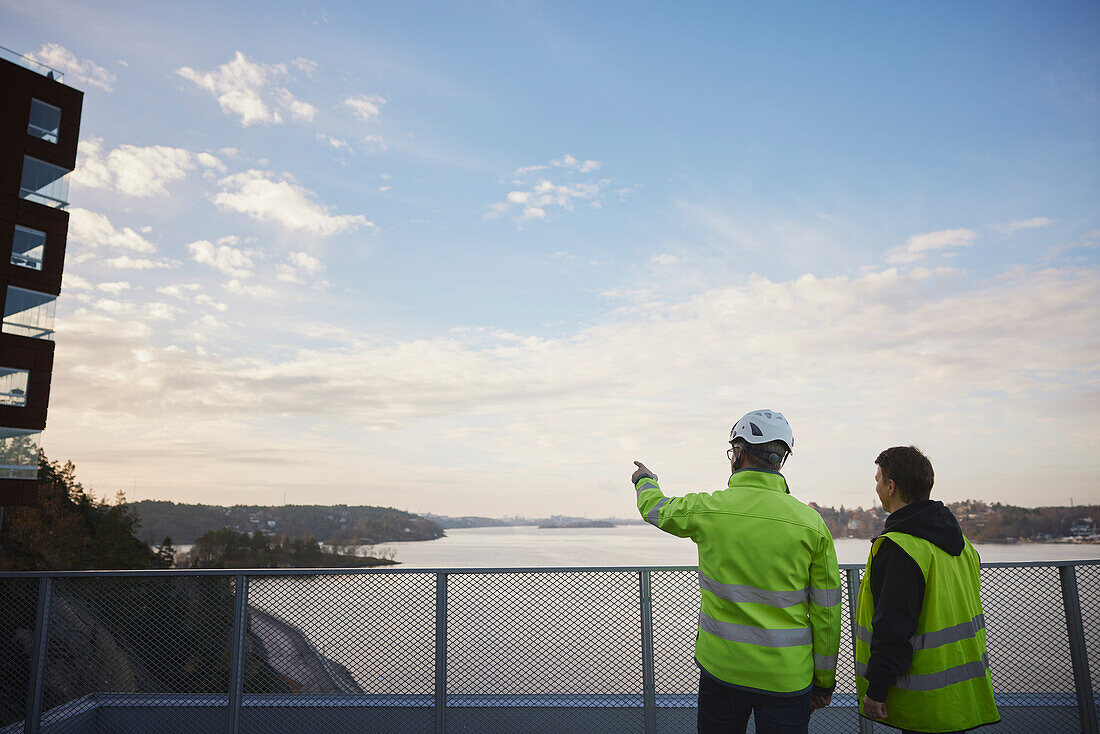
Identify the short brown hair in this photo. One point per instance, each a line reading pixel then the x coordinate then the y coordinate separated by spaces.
pixel 910 469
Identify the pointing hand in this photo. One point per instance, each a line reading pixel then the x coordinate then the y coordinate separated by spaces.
pixel 640 471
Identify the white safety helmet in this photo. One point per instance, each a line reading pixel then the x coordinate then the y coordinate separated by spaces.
pixel 762 426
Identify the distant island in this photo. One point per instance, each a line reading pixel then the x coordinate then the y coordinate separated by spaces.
pixel 339 525
pixel 578 524
pixel 227 548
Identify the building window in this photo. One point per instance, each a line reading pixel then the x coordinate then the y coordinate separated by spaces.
pixel 28 247
pixel 45 121
pixel 19 453
pixel 13 387
pixel 44 183
pixel 29 313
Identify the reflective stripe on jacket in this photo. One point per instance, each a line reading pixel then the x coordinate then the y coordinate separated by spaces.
pixel 769 616
pixel 948 686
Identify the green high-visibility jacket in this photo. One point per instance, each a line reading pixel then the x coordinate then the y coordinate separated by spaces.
pixel 948 686
pixel 769 617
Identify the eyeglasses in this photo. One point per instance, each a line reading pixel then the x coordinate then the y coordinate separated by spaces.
pixel 729 453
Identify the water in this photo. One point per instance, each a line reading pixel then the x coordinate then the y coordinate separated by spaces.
pixel 640 545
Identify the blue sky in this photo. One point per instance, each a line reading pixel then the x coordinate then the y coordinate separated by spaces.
pixel 475 258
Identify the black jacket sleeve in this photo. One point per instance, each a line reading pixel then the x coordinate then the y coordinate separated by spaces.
pixel 897 587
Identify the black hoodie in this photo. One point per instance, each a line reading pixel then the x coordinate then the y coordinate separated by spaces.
pixel 897 588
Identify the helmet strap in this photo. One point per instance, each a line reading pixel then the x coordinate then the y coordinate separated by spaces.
pixel 770 458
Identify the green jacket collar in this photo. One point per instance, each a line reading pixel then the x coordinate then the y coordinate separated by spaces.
pixel 759 479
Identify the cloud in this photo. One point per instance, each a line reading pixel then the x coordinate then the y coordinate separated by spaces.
pixel 125 262
pixel 249 90
pixel 665 259
pixel 206 300
pixel 179 290
pixel 959 366
pixel 114 288
pixel 366 107
pixel 263 196
pixel 374 144
pixel 919 245
pixel 307 66
pixel 297 264
pixel 136 171
pixel 540 199
pixel 95 230
pixel 255 291
pixel 534 203
pixel 206 160
pixel 229 260
pixel 74 282
pixel 568 161
pixel 78 72
pixel 337 143
pixel 1016 226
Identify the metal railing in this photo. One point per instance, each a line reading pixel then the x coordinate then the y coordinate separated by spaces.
pixel 488 650
pixel 17 58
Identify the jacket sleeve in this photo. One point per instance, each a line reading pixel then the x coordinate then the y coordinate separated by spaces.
pixel 897 589
pixel 672 514
pixel 824 612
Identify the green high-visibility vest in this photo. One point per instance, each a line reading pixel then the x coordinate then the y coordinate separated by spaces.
pixel 769 616
pixel 948 686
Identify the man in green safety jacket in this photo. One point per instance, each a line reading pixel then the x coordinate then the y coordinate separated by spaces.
pixel 769 618
pixel 921 662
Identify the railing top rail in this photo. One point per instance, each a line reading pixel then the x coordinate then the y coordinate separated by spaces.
pixel 453 571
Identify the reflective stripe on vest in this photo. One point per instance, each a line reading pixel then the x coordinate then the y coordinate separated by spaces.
pixel 743 594
pixel 651 518
pixel 755 635
pixel 958 633
pixel 941 679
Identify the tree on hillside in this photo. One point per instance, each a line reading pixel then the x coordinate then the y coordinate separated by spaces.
pixel 68 529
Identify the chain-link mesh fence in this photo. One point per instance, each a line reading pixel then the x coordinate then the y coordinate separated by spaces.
pixel 676 676
pixel 416 651
pixel 544 652
pixel 163 640
pixel 18 612
pixel 1028 648
pixel 1088 592
pixel 364 644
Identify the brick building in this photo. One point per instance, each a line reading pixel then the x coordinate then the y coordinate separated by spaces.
pixel 39 126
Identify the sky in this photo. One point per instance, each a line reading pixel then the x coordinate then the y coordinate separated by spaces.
pixel 476 258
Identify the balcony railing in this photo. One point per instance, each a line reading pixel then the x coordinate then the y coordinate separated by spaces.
pixel 487 650
pixel 16 58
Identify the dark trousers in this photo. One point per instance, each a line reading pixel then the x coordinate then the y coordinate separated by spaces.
pixel 726 710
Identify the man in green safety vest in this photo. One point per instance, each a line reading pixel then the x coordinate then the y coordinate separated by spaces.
pixel 921 662
pixel 769 617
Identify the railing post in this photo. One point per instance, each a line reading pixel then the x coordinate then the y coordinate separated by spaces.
pixel 440 653
pixel 866 726
pixel 236 653
pixel 1086 707
pixel 649 686
pixel 38 657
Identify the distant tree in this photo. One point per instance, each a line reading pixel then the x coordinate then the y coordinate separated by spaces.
pixel 166 553
pixel 69 529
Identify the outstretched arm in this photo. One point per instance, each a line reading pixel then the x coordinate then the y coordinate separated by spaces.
pixel 671 514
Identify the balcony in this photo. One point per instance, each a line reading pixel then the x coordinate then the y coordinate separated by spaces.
pixel 47 71
pixel 486 650
pixel 44 183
